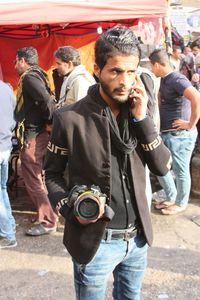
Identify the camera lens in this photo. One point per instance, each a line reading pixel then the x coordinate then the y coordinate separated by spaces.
pixel 88 209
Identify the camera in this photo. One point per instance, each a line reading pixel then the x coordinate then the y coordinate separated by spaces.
pixel 86 202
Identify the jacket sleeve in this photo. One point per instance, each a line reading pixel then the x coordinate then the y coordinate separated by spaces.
pixel 35 86
pixel 156 154
pixel 56 161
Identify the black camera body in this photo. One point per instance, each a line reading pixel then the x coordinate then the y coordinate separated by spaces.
pixel 86 202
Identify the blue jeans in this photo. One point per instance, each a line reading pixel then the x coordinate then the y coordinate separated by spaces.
pixel 7 222
pixel 181 144
pixel 127 260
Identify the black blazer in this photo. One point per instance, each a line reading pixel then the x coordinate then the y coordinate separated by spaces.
pixel 80 142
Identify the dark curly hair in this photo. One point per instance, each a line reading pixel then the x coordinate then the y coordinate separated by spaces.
pixel 118 40
pixel 68 53
pixel 29 54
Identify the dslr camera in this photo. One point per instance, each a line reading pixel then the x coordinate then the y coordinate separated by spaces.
pixel 86 202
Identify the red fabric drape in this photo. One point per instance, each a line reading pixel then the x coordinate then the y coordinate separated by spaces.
pixel 46 48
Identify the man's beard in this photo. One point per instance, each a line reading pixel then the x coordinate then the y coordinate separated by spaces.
pixel 110 94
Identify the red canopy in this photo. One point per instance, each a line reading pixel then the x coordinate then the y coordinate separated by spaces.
pixel 46 25
pixel 13 12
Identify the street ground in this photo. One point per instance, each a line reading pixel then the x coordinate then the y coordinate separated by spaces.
pixel 40 267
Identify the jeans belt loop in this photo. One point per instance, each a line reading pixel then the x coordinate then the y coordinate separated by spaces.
pixel 108 233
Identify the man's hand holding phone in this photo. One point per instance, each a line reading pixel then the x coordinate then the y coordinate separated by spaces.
pixel 139 99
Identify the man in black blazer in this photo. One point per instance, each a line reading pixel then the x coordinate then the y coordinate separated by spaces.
pixel 105 140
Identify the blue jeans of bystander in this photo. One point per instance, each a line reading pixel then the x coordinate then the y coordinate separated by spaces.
pixel 181 144
pixel 127 261
pixel 7 221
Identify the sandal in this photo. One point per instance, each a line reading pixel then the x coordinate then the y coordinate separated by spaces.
pixel 163 204
pixel 39 229
pixel 173 209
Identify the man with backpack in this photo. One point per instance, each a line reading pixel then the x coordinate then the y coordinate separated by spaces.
pixel 34 109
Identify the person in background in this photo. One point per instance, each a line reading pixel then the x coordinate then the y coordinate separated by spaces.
pixel 34 109
pixel 196 76
pixel 7 125
pixel 195 47
pixel 187 63
pixel 76 79
pixel 175 58
pixel 151 84
pixel 105 140
pixel 196 83
pixel 58 81
pixel 179 113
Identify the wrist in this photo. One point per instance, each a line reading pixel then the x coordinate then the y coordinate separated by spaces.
pixel 138 119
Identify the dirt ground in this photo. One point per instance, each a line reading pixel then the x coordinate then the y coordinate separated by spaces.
pixel 40 267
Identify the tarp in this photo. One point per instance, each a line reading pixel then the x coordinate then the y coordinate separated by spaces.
pixel 46 25
pixel 48 12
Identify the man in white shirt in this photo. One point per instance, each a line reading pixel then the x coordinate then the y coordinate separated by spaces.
pixel 76 80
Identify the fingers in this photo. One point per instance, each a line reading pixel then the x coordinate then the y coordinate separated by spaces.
pixel 180 124
pixel 138 85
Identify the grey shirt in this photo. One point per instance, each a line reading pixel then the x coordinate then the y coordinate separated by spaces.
pixel 7 122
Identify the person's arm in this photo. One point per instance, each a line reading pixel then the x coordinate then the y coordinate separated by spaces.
pixel 194 96
pixel 35 86
pixel 156 154
pixel 55 162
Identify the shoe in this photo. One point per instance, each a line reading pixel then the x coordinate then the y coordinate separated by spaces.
pixel 173 209
pixel 163 204
pixel 4 243
pixel 39 229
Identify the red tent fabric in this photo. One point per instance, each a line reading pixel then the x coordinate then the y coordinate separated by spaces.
pixel 14 12
pixel 46 25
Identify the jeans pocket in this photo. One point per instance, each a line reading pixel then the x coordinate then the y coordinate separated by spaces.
pixel 140 240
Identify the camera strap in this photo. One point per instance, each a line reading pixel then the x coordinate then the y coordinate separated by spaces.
pixel 108 213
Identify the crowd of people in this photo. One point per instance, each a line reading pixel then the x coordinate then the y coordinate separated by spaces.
pixel 86 151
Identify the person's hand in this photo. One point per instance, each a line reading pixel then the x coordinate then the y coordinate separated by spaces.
pixel 138 100
pixel 180 124
pixel 195 77
pixel 101 212
pixel 48 128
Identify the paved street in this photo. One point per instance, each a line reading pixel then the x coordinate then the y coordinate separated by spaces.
pixel 40 268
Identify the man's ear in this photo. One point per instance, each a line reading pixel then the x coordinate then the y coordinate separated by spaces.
pixel 24 63
pixel 96 70
pixel 22 59
pixel 70 65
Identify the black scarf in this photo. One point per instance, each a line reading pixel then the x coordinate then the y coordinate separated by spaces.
pixel 122 135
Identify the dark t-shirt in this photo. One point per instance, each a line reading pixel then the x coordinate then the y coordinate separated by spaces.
pixel 173 105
